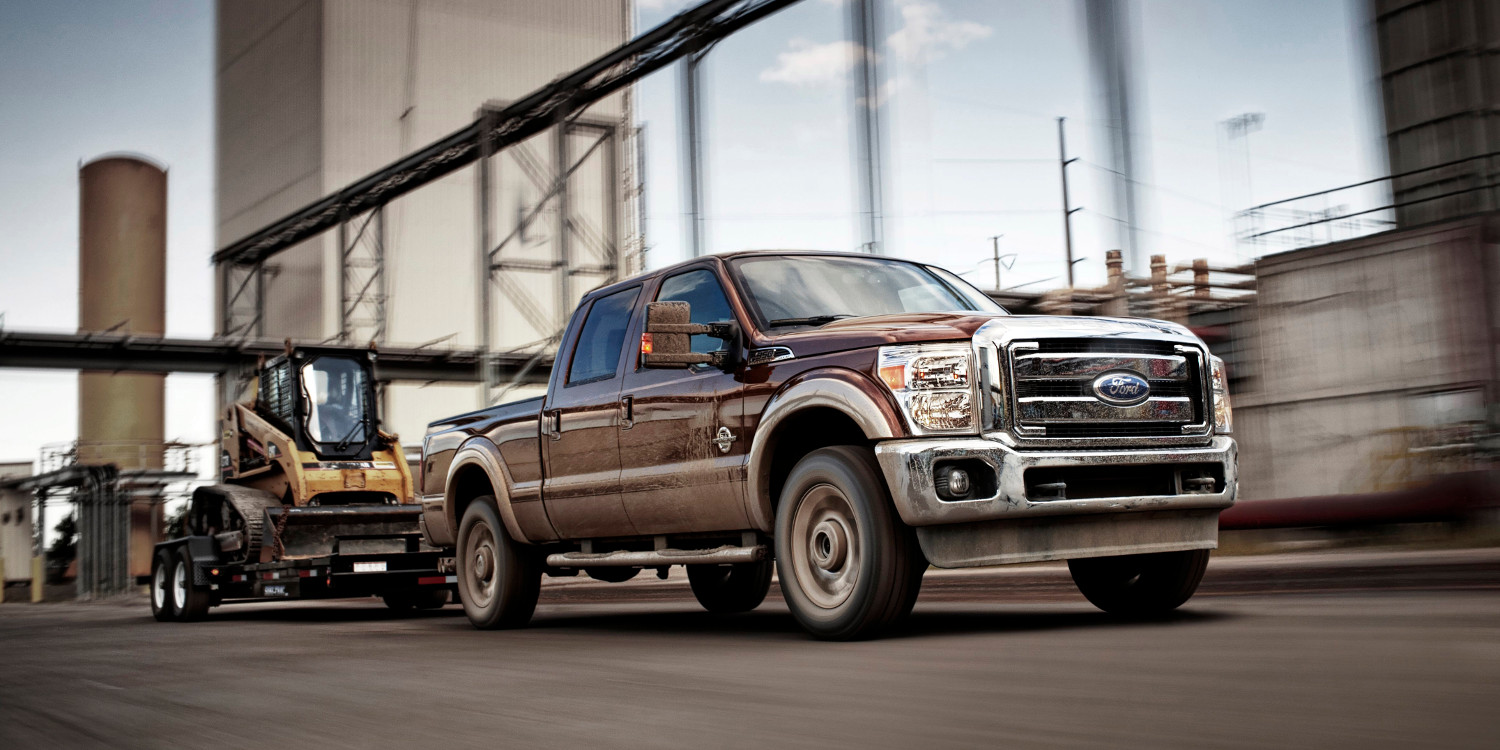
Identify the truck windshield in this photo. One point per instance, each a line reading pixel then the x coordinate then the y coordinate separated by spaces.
pixel 811 290
pixel 335 391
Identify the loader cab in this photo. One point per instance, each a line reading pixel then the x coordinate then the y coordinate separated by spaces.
pixel 324 399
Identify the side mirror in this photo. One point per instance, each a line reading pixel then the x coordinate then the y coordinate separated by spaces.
pixel 667 341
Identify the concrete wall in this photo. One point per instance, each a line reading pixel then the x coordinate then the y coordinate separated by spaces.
pixel 16 547
pixel 1365 349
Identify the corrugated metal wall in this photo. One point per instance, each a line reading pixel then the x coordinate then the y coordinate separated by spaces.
pixel 1359 343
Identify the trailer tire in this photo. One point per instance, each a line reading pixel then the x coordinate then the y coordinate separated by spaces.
pixel 730 589
pixel 498 582
pixel 163 604
pixel 1140 585
pixel 189 602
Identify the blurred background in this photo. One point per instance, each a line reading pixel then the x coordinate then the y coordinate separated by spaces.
pixel 1310 186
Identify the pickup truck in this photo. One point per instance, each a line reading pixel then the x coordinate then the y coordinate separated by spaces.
pixel 846 421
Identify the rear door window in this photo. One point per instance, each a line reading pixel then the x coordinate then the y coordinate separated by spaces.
pixel 597 354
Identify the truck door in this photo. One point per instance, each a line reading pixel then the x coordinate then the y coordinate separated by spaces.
pixel 674 475
pixel 581 425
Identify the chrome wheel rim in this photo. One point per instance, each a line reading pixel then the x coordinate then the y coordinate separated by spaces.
pixel 159 587
pixel 825 547
pixel 179 583
pixel 482 558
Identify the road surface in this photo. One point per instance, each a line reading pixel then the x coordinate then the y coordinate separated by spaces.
pixel 1371 650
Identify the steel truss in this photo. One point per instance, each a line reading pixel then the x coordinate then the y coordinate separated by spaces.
pixel 362 286
pixel 557 106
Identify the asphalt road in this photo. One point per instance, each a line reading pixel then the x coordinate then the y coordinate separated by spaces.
pixel 1289 651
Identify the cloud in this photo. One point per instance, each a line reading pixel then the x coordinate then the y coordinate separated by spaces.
pixel 810 64
pixel 663 4
pixel 927 33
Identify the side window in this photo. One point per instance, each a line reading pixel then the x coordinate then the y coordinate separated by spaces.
pixel 598 351
pixel 700 289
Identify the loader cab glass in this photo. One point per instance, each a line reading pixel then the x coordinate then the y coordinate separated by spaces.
pixel 336 416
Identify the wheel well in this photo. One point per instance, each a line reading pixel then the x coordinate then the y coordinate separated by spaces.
pixel 470 482
pixel 801 434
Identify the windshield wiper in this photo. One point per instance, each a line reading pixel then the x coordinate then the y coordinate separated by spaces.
pixel 811 320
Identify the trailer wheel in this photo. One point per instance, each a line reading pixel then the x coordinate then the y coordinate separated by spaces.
pixel 407 600
pixel 188 601
pixel 1140 585
pixel 498 582
pixel 162 602
pixel 727 589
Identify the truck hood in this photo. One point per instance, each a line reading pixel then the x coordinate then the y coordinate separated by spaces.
pixel 917 328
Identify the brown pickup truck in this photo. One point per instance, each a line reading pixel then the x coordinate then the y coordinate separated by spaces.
pixel 849 420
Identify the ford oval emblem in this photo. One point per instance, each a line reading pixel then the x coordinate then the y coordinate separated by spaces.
pixel 1122 388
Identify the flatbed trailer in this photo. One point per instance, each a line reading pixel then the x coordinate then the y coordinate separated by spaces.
pixel 382 555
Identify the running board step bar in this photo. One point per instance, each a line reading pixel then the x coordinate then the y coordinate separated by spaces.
pixel 726 555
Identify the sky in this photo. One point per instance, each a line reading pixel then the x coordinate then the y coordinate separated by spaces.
pixel 973 89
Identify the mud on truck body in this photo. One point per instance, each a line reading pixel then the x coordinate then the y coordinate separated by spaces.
pixel 848 420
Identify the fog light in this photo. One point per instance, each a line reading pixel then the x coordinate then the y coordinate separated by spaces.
pixel 958 482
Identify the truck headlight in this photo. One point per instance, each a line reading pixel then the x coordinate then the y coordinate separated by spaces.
pixel 1223 413
pixel 933 383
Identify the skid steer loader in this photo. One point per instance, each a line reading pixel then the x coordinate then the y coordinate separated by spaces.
pixel 314 501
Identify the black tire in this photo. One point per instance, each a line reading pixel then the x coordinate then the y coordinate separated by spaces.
pixel 498 582
pixel 1140 585
pixel 728 589
pixel 848 566
pixel 403 601
pixel 163 603
pixel 189 602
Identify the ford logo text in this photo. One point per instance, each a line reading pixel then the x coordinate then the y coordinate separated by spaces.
pixel 1122 388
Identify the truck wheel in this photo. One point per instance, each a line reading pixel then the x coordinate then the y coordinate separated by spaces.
pixel 1140 585
pixel 188 602
pixel 847 564
pixel 497 582
pixel 162 603
pixel 727 589
pixel 407 600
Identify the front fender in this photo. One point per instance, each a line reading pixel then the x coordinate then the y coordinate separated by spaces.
pixel 481 454
pixel 852 393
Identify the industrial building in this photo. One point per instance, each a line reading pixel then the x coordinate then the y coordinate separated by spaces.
pixel 315 94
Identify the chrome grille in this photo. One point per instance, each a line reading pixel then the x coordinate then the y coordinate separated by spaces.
pixel 1051 394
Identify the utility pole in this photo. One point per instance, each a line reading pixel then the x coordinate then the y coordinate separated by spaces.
pixel 1068 211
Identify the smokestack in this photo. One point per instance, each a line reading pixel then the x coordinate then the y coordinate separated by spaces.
pixel 122 279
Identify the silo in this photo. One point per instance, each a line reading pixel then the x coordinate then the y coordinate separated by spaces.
pixel 122 279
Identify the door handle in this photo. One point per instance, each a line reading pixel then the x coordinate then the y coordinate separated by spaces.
pixel 554 424
pixel 627 412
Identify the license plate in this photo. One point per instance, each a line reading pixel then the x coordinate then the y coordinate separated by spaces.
pixel 275 589
pixel 369 567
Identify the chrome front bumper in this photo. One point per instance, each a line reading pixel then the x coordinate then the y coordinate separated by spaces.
pixel 908 469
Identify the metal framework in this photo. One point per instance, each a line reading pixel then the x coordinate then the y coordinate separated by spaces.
pixel 556 106
pixel 362 288
pixel 120 353
pixel 554 103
